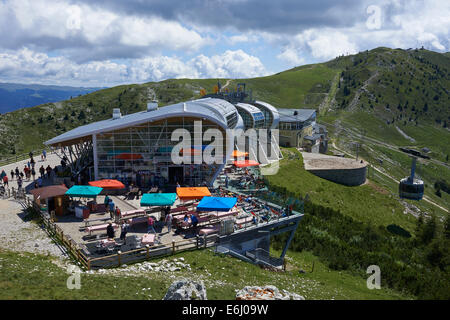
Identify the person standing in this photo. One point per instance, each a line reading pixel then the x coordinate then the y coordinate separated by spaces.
pixel 42 171
pixel 19 182
pixel 12 174
pixel 44 155
pixel 49 171
pixel 110 231
pixel 111 208
pixel 117 215
pixel 33 173
pixel 168 221
pixel 124 231
pixel 17 172
pixel 151 223
pixel 33 163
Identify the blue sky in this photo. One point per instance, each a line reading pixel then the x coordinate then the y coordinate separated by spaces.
pixel 111 42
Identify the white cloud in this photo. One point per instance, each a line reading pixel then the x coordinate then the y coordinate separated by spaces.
pixel 291 56
pixel 60 25
pixel 27 66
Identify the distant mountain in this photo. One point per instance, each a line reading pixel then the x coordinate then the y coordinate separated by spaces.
pixel 15 96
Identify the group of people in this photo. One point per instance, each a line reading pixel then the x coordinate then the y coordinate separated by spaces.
pixel 27 172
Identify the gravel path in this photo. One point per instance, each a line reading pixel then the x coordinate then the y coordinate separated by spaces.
pixel 23 236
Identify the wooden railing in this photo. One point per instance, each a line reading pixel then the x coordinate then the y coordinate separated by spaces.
pixel 119 258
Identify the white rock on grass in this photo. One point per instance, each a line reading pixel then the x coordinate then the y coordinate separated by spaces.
pixel 185 289
pixel 266 293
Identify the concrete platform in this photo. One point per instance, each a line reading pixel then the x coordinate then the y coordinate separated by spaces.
pixel 344 171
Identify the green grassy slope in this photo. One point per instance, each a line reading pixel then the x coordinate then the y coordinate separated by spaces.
pixel 222 275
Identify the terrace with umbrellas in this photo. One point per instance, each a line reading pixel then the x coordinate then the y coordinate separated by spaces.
pixel 87 213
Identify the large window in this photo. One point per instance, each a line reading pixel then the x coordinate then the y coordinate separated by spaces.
pixel 142 154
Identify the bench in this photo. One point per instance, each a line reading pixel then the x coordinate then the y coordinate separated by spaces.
pixel 87 222
pixel 100 227
pixel 130 213
pixel 148 239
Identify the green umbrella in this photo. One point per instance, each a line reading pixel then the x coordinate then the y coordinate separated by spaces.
pixel 158 199
pixel 84 191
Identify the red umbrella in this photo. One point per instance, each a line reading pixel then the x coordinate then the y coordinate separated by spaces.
pixel 246 163
pixel 107 184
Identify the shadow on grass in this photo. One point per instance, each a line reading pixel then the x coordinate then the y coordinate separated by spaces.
pixel 397 230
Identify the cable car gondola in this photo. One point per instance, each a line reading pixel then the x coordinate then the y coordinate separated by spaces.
pixel 410 188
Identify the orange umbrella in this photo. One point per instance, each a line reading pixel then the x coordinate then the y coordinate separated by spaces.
pixel 107 184
pixel 128 156
pixel 246 163
pixel 237 154
pixel 192 193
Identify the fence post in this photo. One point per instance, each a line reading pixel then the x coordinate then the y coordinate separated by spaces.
pixel 148 251
pixel 118 256
pixel 89 264
pixel 204 239
pixel 173 246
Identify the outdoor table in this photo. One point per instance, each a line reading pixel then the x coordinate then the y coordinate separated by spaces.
pixel 148 238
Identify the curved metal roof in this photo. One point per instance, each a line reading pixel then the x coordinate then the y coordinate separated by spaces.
pixel 272 110
pixel 250 109
pixel 203 110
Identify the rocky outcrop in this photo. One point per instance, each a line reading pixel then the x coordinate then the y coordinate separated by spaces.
pixel 266 293
pixel 186 290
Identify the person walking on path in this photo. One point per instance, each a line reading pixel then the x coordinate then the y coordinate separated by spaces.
pixel 33 163
pixel 168 221
pixel 5 180
pixel 31 155
pixel 17 172
pixel 28 164
pixel 12 174
pixel 33 173
pixel 2 174
pixel 117 215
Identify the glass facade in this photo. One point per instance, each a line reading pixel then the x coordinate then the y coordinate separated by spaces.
pixel 142 154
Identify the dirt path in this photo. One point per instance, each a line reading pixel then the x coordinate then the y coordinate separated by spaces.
pixel 17 234
pixel 363 88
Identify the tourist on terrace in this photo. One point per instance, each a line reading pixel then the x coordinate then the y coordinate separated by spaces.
pixel 194 221
pixel 12 174
pixel 124 231
pixel 33 173
pixel 17 171
pixel 168 221
pixel 110 231
pixel 151 223
pixel 111 208
pixel 5 180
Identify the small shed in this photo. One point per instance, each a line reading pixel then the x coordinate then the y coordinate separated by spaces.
pixel 53 197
